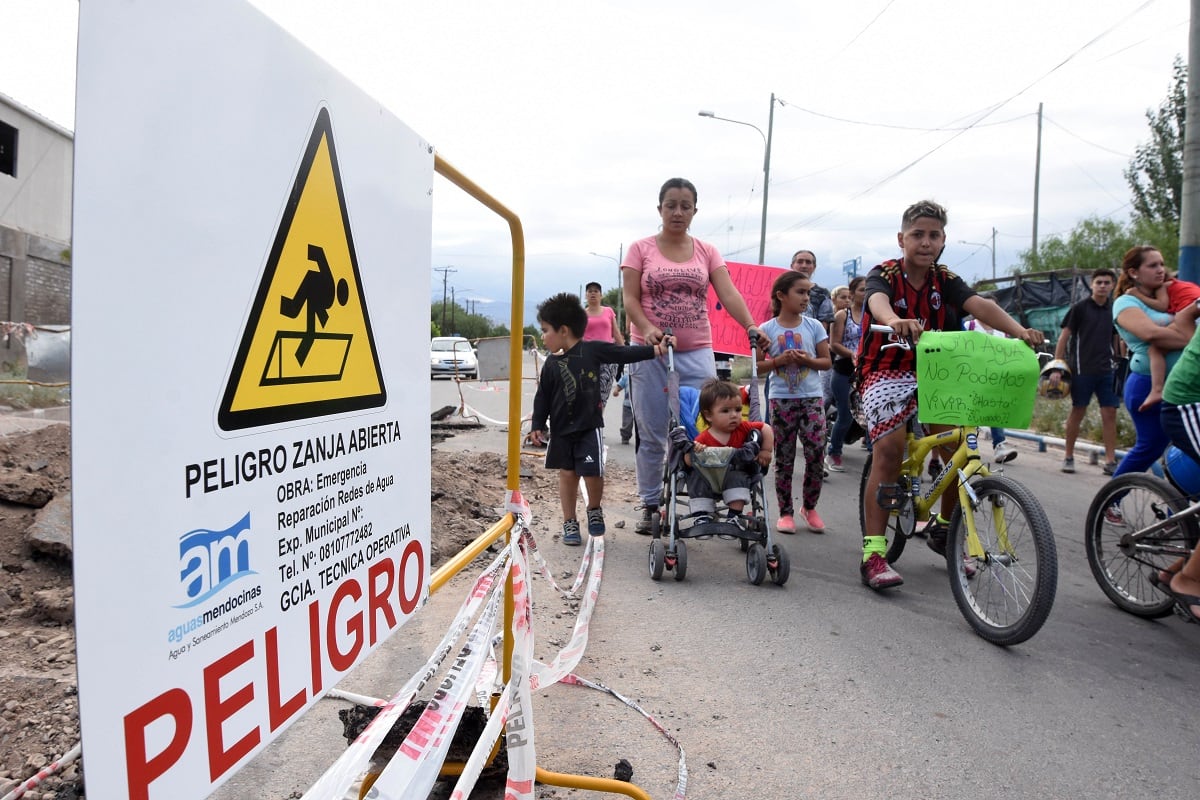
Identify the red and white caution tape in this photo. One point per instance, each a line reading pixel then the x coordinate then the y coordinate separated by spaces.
pixel 483 748
pixel 568 658
pixel 474 412
pixel 544 568
pixel 522 755
pixel 681 784
pixel 415 767
pixel 43 773
pixel 337 778
pixel 515 502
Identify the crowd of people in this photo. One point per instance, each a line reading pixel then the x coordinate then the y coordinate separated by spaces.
pixel 818 352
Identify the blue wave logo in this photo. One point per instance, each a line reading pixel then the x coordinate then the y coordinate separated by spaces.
pixel 211 560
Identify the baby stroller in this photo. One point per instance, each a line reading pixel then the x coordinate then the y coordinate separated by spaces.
pixel 675 523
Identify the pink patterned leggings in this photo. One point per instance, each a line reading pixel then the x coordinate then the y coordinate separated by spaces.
pixel 799 420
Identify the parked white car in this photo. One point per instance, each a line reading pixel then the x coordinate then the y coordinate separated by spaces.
pixel 451 356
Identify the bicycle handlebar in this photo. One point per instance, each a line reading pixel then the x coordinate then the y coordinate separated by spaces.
pixel 903 344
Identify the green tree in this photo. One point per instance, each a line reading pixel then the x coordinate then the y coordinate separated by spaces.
pixel 612 298
pixel 1096 242
pixel 461 323
pixel 1155 174
pixel 1093 243
pixel 1162 234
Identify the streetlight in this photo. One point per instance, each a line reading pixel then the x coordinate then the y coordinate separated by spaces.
pixel 766 137
pixel 991 248
pixel 620 290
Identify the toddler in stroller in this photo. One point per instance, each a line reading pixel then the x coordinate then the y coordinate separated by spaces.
pixel 726 460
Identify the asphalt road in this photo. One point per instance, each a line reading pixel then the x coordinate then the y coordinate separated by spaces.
pixel 823 688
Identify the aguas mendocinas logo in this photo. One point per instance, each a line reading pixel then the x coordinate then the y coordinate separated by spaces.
pixel 211 560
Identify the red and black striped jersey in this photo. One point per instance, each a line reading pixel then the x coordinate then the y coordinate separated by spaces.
pixel 938 304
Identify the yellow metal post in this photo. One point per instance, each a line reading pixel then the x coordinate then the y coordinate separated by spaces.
pixel 516 326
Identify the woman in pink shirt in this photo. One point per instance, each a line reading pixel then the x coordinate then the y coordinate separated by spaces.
pixel 602 327
pixel 666 280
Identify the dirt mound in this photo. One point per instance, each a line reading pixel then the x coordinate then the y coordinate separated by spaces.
pixel 39 710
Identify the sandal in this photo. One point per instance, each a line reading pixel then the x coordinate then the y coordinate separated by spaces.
pixel 1156 580
pixel 1183 603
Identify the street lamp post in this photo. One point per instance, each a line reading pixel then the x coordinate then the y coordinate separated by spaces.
pixel 766 137
pixel 991 248
pixel 620 282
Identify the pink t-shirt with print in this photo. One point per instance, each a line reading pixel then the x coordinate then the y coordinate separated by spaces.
pixel 675 295
pixel 600 327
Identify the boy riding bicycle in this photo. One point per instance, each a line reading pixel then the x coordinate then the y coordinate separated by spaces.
pixel 910 295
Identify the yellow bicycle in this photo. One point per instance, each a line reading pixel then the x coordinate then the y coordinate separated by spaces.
pixel 1000 553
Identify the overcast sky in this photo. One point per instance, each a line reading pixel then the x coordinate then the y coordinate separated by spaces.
pixel 572 114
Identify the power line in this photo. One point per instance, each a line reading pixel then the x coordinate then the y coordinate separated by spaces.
pixel 918 129
pixel 1085 141
pixel 960 131
pixel 858 35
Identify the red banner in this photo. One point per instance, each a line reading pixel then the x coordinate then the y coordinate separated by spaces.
pixel 754 282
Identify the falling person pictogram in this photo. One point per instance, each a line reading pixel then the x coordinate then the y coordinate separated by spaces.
pixel 317 293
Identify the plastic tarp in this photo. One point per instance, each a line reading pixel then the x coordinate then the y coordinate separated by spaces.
pixel 1041 300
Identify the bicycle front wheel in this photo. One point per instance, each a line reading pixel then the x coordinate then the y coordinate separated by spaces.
pixel 1006 591
pixel 1123 562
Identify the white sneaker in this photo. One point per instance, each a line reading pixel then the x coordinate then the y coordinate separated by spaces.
pixel 1004 453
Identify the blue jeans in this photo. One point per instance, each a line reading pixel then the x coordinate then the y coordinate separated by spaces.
pixel 997 437
pixel 648 385
pixel 1151 440
pixel 840 386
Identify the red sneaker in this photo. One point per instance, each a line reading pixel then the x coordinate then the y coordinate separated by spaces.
pixel 786 524
pixel 878 573
pixel 813 520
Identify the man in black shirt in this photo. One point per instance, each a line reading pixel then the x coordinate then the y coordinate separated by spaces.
pixel 1088 343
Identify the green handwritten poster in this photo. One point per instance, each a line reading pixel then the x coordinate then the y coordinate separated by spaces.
pixel 972 378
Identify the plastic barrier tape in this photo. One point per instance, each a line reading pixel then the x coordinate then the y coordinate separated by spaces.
pixel 333 784
pixel 414 769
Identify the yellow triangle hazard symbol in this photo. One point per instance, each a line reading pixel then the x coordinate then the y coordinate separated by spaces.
pixel 307 350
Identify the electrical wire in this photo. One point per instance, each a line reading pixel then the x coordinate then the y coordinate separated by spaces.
pixel 1085 141
pixel 858 35
pixel 959 132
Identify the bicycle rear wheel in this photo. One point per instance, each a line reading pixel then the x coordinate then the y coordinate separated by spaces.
pixel 898 521
pixel 1121 564
pixel 1008 598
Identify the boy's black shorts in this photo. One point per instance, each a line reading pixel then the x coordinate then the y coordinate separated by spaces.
pixel 579 453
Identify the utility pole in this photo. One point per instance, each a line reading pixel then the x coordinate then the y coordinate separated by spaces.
pixel 445 278
pixel 1189 211
pixel 766 137
pixel 993 255
pixel 621 285
pixel 1037 180
pixel 762 234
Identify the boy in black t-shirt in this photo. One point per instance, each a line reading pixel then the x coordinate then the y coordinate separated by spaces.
pixel 910 295
pixel 568 396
